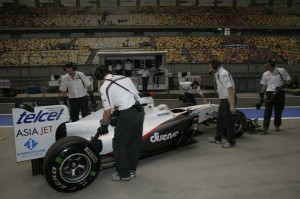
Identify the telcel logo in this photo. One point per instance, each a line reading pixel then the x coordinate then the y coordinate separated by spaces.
pixel 42 116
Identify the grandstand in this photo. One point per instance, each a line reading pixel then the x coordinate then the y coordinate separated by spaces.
pixel 37 36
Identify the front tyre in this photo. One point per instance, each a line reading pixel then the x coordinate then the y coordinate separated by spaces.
pixel 71 164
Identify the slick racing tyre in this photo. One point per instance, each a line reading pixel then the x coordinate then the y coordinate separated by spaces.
pixel 71 164
pixel 239 123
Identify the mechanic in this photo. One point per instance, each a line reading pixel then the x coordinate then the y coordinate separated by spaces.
pixel 273 81
pixel 78 86
pixel 128 68
pixel 188 89
pixel 119 92
pixel 159 73
pixel 119 68
pixel 226 92
pixel 144 73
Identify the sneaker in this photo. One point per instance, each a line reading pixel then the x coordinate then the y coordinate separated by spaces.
pixel 277 128
pixel 116 177
pixel 228 145
pixel 214 140
pixel 132 174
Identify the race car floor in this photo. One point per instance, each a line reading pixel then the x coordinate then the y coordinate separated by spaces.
pixel 259 167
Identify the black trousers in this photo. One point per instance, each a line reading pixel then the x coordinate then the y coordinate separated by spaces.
pixel 128 73
pixel 277 102
pixel 119 72
pixel 156 77
pixel 188 97
pixel 127 140
pixel 145 81
pixel 78 105
pixel 225 122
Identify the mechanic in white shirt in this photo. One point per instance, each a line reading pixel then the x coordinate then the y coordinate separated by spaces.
pixel 273 81
pixel 119 92
pixel 119 68
pixel 188 89
pixel 158 74
pixel 76 84
pixel 144 73
pixel 128 68
pixel 226 91
pixel 110 68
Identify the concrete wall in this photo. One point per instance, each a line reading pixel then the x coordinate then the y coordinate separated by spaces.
pixel 246 77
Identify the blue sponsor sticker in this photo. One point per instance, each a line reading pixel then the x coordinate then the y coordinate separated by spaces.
pixel 30 144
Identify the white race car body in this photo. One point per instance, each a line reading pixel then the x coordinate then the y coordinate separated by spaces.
pixel 36 131
pixel 161 125
pixel 69 153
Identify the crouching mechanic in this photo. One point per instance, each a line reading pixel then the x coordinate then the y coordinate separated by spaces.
pixel 119 92
pixel 188 89
pixel 78 86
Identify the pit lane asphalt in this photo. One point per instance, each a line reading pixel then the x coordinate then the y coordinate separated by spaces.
pixel 260 167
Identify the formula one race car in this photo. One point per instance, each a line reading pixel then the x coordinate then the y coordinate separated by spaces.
pixel 71 156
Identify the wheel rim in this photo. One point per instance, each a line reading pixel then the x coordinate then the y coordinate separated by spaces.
pixel 75 168
pixel 237 125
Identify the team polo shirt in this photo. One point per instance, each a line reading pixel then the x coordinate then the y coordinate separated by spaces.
pixel 224 81
pixel 128 66
pixel 187 88
pixel 118 67
pixel 113 95
pixel 76 87
pixel 144 73
pixel 274 79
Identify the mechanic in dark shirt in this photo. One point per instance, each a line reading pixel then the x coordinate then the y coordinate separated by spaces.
pixel 119 92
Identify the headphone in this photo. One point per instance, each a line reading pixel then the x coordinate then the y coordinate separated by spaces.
pixel 271 62
pixel 100 72
pixel 70 65
pixel 215 63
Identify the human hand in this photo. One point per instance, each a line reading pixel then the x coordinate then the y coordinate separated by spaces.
pixel 103 129
pixel 258 105
pixel 65 101
pixel 261 96
pixel 231 101
pixel 283 86
pixel 92 97
pixel 232 109
pixel 94 106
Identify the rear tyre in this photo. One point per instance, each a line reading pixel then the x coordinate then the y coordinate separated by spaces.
pixel 239 123
pixel 71 164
